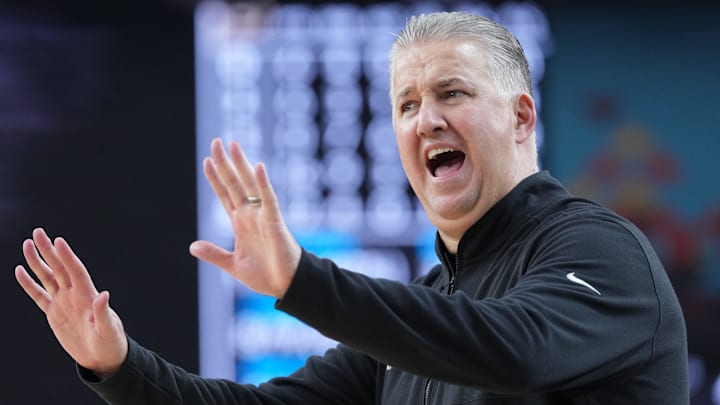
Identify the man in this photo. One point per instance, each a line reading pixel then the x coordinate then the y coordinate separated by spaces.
pixel 540 297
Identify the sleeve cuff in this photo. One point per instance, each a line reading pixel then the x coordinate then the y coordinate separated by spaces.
pixel 88 377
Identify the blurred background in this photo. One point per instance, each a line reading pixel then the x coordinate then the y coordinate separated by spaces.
pixel 106 111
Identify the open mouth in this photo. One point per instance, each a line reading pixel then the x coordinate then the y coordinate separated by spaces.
pixel 443 161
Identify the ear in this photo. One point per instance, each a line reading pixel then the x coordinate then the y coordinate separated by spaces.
pixel 525 117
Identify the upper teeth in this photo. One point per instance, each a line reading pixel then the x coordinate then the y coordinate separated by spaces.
pixel 434 152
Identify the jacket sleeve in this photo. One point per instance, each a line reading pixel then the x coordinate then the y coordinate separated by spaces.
pixel 546 332
pixel 340 376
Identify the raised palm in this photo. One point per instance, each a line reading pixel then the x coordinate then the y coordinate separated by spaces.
pixel 265 255
pixel 80 317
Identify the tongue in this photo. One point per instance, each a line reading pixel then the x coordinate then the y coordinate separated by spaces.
pixel 448 167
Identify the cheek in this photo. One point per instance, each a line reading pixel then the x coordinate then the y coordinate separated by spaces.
pixel 488 136
pixel 408 150
pixel 489 151
pixel 408 154
pixel 406 141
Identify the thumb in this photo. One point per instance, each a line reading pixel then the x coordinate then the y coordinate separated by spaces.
pixel 211 253
pixel 103 314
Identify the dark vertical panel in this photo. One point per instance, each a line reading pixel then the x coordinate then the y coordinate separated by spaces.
pixel 97 145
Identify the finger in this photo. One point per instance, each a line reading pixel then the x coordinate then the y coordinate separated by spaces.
pixel 102 313
pixel 47 250
pixel 39 267
pixel 74 268
pixel 244 169
pixel 217 185
pixel 32 289
pixel 211 253
pixel 267 193
pixel 227 173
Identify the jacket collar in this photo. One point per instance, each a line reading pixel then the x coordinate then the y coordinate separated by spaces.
pixel 524 202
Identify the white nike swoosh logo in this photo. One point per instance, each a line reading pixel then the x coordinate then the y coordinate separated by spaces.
pixel 571 276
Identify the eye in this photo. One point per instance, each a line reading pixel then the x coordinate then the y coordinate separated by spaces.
pixel 454 93
pixel 408 106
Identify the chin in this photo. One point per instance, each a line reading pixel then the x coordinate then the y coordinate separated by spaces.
pixel 444 217
pixel 452 207
pixel 453 214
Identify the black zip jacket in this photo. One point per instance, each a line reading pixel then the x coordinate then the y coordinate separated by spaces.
pixel 550 299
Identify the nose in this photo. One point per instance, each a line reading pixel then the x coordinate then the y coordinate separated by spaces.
pixel 430 119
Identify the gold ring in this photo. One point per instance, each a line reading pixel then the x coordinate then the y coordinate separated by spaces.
pixel 254 200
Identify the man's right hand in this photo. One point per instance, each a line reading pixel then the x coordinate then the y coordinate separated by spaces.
pixel 80 317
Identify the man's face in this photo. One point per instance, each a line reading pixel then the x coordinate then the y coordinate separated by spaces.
pixel 457 133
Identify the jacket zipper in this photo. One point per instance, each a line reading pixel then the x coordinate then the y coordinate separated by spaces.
pixel 426 395
pixel 451 291
pixel 453 275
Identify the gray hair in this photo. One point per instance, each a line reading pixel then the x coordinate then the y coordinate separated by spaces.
pixel 506 61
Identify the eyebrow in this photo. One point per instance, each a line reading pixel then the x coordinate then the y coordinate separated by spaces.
pixel 403 93
pixel 452 81
pixel 442 84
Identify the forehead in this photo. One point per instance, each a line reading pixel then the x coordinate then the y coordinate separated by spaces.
pixel 426 62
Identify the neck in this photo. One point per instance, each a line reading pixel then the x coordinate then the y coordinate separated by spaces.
pixel 451 244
